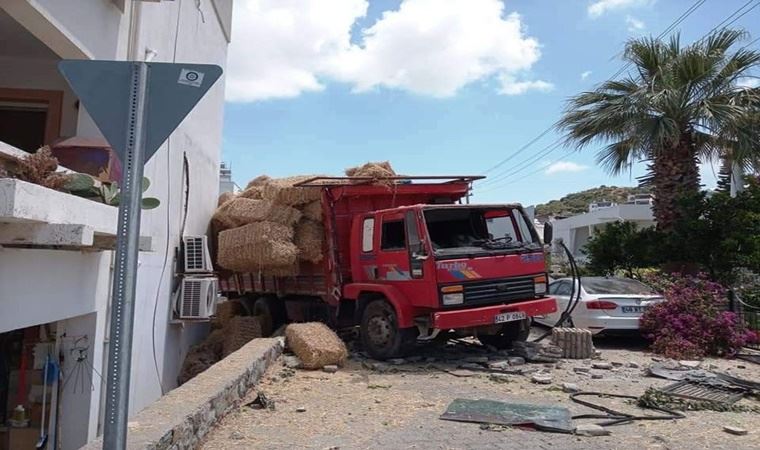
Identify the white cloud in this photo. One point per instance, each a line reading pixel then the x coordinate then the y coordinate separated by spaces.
pixel 748 82
pixel 564 166
pixel 282 48
pixel 585 74
pixel 634 24
pixel 598 8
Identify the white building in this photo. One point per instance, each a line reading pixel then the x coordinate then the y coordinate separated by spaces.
pixel 225 179
pixel 55 269
pixel 576 231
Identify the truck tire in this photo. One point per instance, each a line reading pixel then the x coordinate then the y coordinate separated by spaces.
pixel 271 314
pixel 510 332
pixel 380 334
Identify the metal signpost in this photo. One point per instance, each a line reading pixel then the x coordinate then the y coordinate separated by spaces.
pixel 136 105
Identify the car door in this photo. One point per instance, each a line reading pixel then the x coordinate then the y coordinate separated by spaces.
pixel 562 293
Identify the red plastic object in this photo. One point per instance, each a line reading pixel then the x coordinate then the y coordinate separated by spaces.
pixel 601 304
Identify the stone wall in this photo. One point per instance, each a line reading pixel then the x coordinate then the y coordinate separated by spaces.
pixel 180 419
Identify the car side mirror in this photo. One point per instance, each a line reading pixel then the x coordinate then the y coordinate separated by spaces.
pixel 548 232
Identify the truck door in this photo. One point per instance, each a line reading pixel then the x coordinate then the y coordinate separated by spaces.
pixel 403 259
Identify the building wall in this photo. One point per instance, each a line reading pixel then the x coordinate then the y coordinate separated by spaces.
pixel 177 31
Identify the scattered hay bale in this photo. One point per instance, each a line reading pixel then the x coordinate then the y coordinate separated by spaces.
pixel 315 344
pixel 254 192
pixel 260 180
pixel 226 311
pixel 239 331
pixel 374 170
pixel 283 192
pixel 242 211
pixel 257 246
pixel 224 198
pixel 198 359
pixel 308 238
pixel 313 211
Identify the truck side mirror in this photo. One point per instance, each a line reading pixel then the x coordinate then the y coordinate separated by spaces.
pixel 548 232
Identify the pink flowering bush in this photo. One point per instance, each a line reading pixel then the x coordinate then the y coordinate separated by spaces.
pixel 692 322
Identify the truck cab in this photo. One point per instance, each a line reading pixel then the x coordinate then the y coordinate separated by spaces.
pixel 420 270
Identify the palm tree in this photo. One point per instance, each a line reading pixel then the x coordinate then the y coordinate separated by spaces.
pixel 677 106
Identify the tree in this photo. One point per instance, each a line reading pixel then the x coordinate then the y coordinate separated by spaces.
pixel 621 245
pixel 680 105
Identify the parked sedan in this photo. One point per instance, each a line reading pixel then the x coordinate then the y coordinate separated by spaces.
pixel 607 304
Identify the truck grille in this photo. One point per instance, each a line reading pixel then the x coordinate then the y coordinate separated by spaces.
pixel 497 291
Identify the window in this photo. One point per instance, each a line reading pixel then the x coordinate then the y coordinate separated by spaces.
pixel 553 287
pixel 500 227
pixel 368 233
pixel 394 237
pixel 563 289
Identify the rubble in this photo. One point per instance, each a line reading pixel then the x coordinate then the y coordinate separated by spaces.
pixel 537 352
pixel 576 343
pixel 735 430
pixel 601 365
pixel 291 361
pixel 541 378
pixel 570 388
pixel 330 368
pixel 591 429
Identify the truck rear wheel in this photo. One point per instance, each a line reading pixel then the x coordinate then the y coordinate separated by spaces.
pixel 510 332
pixel 271 314
pixel 380 334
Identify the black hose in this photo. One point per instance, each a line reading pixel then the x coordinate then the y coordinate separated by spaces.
pixel 575 295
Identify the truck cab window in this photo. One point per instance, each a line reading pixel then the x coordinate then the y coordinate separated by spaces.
pixel 368 232
pixel 394 236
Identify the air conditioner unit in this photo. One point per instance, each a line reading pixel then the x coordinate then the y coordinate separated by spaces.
pixel 197 257
pixel 197 298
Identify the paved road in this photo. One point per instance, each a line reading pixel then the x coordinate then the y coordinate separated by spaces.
pixel 362 408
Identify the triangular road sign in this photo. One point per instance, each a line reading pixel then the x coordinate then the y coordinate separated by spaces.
pixel 104 88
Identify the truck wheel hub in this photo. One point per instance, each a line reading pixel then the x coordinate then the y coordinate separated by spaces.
pixel 380 330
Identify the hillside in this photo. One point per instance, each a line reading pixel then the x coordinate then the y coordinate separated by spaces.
pixel 577 202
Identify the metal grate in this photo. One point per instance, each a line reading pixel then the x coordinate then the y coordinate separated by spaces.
pixel 195 254
pixel 191 298
pixel 495 291
pixel 704 391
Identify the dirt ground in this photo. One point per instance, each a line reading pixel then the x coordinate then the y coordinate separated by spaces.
pixel 366 405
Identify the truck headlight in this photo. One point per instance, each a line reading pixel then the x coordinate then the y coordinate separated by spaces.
pixel 453 299
pixel 452 295
pixel 539 285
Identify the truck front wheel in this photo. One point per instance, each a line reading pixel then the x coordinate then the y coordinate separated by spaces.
pixel 510 332
pixel 380 334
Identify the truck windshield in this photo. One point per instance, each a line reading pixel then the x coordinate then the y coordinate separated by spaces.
pixel 463 231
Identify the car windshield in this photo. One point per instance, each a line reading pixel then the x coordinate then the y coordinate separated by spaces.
pixel 470 230
pixel 625 286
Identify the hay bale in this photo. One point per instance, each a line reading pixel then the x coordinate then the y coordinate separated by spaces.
pixel 242 211
pixel 283 192
pixel 374 170
pixel 309 238
pixel 198 359
pixel 239 331
pixel 226 311
pixel 257 246
pixel 315 345
pixel 313 211
pixel 290 270
pixel 254 192
pixel 215 342
pixel 260 180
pixel 224 198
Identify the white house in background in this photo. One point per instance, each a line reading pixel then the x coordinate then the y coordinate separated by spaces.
pixel 225 179
pixel 55 279
pixel 576 231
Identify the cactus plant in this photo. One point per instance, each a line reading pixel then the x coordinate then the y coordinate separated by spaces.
pixel 109 193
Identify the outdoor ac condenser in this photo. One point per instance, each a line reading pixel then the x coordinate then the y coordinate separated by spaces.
pixel 197 257
pixel 197 298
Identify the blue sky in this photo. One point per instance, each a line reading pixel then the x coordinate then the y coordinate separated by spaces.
pixel 434 86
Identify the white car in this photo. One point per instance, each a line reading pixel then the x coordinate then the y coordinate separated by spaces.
pixel 609 304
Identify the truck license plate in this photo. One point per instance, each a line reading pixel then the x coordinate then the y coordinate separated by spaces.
pixel 634 309
pixel 509 317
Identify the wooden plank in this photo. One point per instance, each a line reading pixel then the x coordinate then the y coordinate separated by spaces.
pixel 46 234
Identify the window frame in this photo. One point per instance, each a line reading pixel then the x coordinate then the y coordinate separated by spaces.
pixel 368 235
pixel 402 222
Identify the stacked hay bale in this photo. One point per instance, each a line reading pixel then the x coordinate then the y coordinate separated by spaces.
pixel 270 226
pixel 273 224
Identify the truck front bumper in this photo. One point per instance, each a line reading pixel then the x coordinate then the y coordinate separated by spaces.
pixel 475 317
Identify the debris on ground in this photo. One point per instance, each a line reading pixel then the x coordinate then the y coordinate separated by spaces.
pixel 546 418
pixel 537 352
pixel 330 368
pixel 601 365
pixel 735 430
pixel 656 398
pixel 291 361
pixel 315 344
pixel 541 378
pixel 591 429
pixel 262 402
pixel 576 343
pixel 570 388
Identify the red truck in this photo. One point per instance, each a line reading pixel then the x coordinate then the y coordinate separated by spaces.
pixel 406 261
